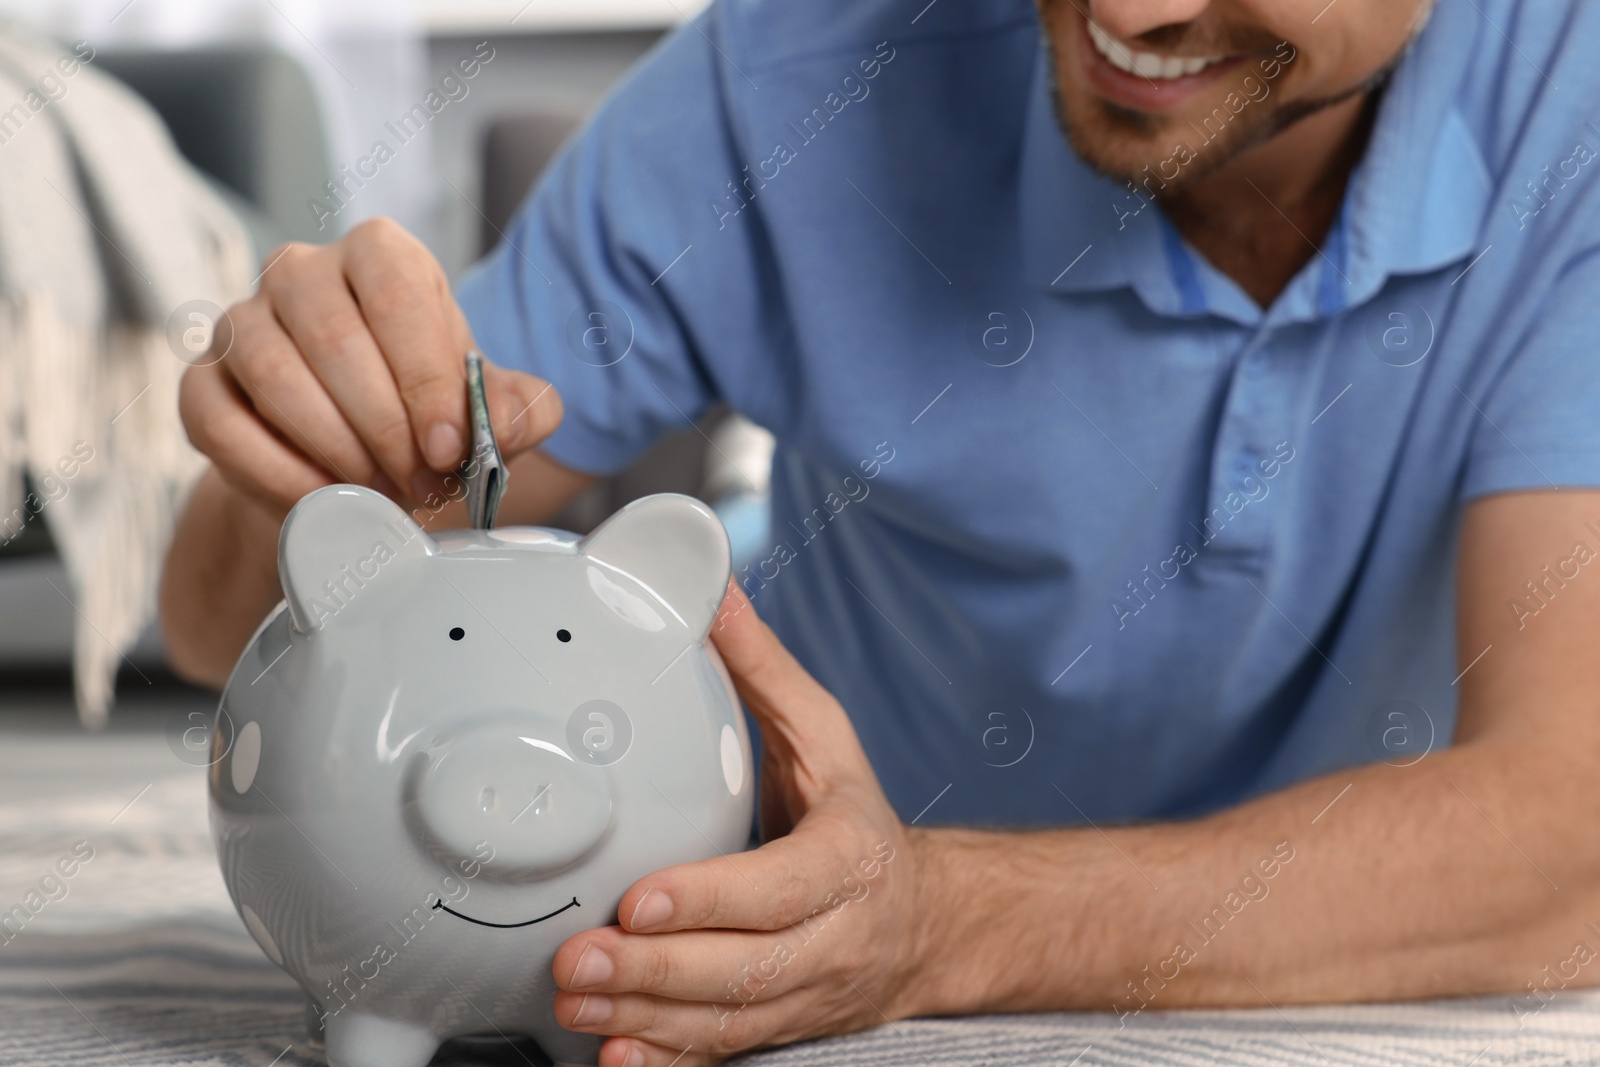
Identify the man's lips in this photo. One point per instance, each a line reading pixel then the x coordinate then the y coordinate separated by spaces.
pixel 1139 93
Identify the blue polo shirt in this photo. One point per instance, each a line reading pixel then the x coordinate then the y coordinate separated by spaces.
pixel 1071 526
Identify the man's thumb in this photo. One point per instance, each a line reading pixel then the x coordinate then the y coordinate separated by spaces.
pixel 524 409
pixel 779 692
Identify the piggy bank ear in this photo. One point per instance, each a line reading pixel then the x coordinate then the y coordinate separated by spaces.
pixel 672 545
pixel 337 541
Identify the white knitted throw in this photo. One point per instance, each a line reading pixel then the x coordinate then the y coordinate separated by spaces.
pixel 104 232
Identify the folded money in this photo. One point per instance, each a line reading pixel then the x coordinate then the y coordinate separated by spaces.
pixel 484 472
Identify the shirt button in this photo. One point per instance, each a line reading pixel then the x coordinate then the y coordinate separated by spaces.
pixel 1244 464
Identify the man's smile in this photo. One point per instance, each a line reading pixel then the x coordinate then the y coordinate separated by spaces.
pixel 440 905
pixel 1144 80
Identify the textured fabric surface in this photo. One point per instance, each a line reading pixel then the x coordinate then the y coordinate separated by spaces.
pixel 144 962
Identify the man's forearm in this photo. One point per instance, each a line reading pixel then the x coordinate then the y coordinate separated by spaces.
pixel 1434 879
pixel 220 579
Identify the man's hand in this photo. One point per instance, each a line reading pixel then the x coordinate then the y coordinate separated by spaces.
pixel 347 365
pixel 816 932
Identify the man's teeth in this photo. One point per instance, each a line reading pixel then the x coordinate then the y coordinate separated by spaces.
pixel 1146 64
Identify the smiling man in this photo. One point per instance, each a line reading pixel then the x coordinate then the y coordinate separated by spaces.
pixel 1211 387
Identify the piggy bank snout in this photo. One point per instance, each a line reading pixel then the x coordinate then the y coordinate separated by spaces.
pixel 509 799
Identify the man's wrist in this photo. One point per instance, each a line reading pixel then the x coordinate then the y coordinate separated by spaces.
pixel 1017 921
pixel 930 988
pixel 963 964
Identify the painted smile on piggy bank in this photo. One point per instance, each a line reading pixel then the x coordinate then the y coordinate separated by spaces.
pixel 439 904
pixel 445 755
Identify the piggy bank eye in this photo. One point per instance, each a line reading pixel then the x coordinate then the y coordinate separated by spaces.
pixel 563 636
pixel 457 633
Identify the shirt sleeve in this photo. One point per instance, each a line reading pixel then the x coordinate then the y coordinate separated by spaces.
pixel 1539 426
pixel 625 280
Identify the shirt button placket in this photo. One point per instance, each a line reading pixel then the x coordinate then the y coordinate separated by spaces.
pixel 1234 519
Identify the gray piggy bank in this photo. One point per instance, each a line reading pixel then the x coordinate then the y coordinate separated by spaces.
pixel 444 755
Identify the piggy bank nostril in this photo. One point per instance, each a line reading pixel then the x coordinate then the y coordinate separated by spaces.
pixel 500 792
pixel 541 792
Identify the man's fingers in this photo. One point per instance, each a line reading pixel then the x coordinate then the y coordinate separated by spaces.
pixel 806 876
pixel 354 354
pixel 694 965
pixel 404 300
pixel 289 398
pixel 321 316
pixel 222 424
pixel 632 1052
pixel 712 1030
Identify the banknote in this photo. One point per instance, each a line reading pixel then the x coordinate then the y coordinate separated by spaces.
pixel 484 472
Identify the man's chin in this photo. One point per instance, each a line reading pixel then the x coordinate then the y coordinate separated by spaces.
pixel 1171 152
pixel 1131 146
pixel 1118 142
pixel 1168 153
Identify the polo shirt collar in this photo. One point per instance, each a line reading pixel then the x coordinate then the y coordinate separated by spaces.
pixel 1419 198
pixel 1415 203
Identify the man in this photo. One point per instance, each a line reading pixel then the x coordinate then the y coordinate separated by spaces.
pixel 1194 510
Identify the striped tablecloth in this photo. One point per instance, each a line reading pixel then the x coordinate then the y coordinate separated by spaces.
pixel 144 961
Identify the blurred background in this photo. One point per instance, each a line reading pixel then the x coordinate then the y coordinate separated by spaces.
pixel 269 100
